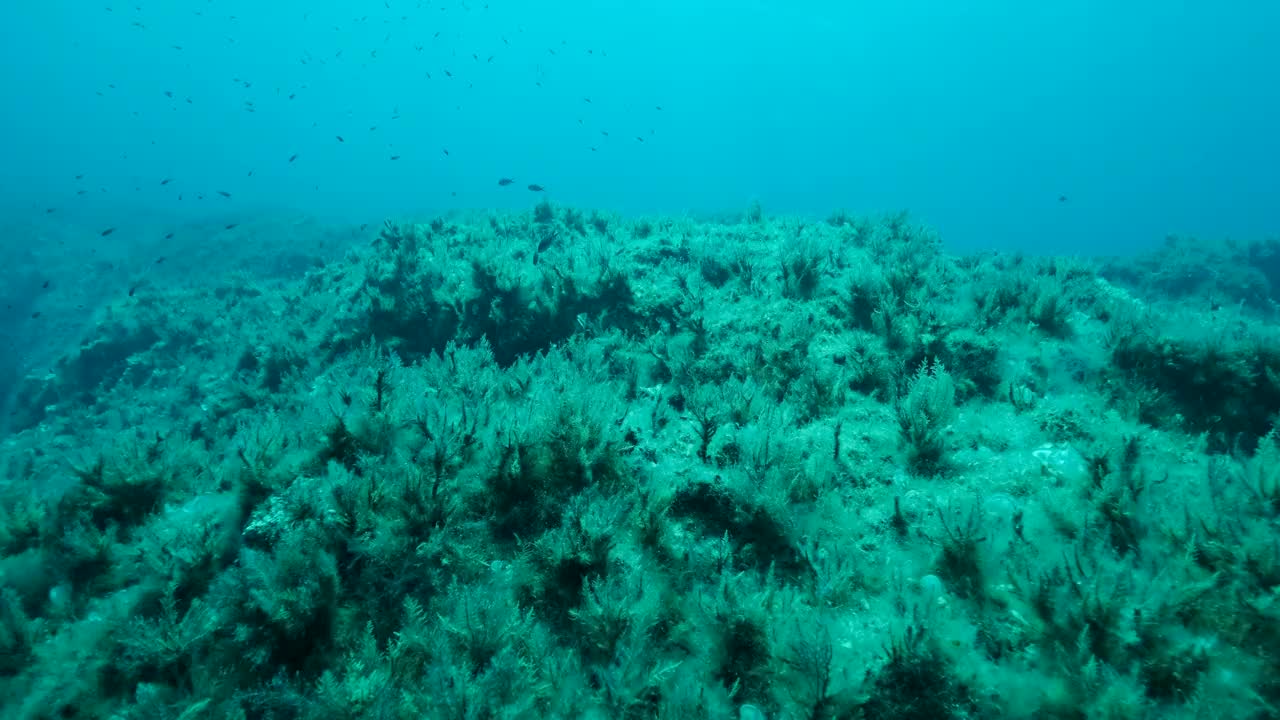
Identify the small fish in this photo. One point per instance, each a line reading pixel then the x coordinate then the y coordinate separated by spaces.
pixel 293 157
pixel 168 236
pixel 168 93
pixel 639 138
pixel 340 138
pixel 107 232
pixel 49 210
pixel 505 181
pixel 1062 198
pixel 224 193
pixel 35 315
pixel 230 226
pixel 536 188
pixel 45 286
pixel 160 260
pixel 395 157
pixel 166 181
pixel 446 151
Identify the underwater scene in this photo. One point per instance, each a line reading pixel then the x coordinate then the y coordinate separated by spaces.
pixel 689 360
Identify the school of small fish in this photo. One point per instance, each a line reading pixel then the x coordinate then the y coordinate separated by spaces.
pixel 395 16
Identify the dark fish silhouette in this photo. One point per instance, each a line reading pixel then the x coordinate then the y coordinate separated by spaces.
pixel 547 241
pixel 536 188
pixel 505 181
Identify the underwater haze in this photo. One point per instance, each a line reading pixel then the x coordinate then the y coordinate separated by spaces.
pixel 604 361
pixel 1061 127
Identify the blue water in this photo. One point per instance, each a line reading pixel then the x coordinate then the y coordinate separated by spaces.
pixel 262 456
pixel 980 117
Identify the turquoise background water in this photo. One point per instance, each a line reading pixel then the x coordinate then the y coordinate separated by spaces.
pixel 1150 118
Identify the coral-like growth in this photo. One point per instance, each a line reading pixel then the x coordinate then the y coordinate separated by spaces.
pixel 565 464
pixel 923 416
